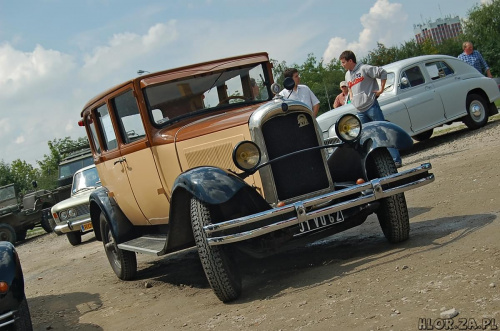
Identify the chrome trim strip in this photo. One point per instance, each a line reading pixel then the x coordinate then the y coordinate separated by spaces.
pixel 371 191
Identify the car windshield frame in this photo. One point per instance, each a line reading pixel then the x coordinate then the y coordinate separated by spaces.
pixel 85 179
pixel 171 101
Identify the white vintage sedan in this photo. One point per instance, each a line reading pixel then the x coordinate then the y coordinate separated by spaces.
pixel 72 216
pixel 425 92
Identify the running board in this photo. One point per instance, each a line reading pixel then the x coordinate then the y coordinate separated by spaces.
pixel 147 244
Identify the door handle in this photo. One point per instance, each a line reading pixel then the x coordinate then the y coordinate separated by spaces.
pixel 120 160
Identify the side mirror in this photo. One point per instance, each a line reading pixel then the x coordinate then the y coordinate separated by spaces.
pixel 34 183
pixel 405 81
pixel 288 83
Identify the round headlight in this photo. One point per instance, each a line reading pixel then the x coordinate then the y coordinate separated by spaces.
pixel 63 215
pixel 246 155
pixel 72 212
pixel 348 128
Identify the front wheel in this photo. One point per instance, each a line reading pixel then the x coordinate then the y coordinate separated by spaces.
pixel 477 112
pixel 7 233
pixel 123 263
pixel 393 212
pixel 74 238
pixel 221 271
pixel 423 135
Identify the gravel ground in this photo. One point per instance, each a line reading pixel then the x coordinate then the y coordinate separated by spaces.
pixel 352 281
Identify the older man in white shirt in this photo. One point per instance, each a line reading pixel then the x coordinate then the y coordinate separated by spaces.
pixel 300 92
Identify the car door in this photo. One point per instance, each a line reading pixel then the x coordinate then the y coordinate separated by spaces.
pixel 111 171
pixel 137 160
pixel 449 86
pixel 394 110
pixel 424 105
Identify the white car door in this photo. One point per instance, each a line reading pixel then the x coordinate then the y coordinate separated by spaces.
pixel 449 86
pixel 425 108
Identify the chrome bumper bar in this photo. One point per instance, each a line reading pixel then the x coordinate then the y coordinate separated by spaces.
pixel 71 226
pixel 371 190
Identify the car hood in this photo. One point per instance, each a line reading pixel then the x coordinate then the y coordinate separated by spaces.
pixel 326 120
pixel 75 200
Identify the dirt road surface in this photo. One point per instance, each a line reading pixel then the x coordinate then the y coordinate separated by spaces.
pixel 352 281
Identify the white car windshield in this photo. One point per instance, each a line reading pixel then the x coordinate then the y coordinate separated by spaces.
pixel 85 179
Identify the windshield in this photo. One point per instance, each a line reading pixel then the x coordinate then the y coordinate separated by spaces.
pixel 206 92
pixel 68 169
pixel 7 193
pixel 85 179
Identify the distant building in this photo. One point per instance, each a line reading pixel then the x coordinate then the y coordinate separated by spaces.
pixel 439 30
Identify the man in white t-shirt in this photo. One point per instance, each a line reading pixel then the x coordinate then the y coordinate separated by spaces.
pixel 300 92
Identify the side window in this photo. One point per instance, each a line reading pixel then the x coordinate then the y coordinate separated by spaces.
pixel 93 132
pixel 129 119
pixel 438 70
pixel 106 127
pixel 412 77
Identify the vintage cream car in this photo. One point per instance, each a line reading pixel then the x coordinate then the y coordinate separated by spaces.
pixel 204 156
pixel 72 216
pixel 425 92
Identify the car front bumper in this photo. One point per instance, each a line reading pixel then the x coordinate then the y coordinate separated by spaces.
pixel 304 210
pixel 72 226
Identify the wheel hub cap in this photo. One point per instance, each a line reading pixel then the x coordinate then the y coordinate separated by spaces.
pixel 476 110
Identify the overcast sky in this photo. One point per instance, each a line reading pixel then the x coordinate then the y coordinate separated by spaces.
pixel 57 54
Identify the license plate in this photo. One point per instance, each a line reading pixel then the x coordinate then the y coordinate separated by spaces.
pixel 86 227
pixel 320 222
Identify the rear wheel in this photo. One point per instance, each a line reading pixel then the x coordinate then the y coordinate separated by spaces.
pixel 74 238
pixel 477 112
pixel 123 263
pixel 7 233
pixel 221 271
pixel 393 212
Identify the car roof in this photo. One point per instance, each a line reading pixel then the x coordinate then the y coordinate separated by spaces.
pixel 85 168
pixel 411 60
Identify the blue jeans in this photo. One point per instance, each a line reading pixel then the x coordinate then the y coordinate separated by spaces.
pixel 374 113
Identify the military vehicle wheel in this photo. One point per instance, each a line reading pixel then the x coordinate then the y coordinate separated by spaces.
pixel 393 212
pixel 220 269
pixel 74 238
pixel 123 263
pixel 7 233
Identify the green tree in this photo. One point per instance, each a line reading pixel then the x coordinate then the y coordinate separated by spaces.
pixel 59 148
pixel 482 28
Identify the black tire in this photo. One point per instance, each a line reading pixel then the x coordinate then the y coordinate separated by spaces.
pixel 21 235
pixel 393 212
pixel 23 323
pixel 221 271
pixel 123 263
pixel 423 135
pixel 45 223
pixel 477 112
pixel 74 238
pixel 7 233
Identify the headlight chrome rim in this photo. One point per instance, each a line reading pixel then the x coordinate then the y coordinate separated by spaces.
pixel 348 128
pixel 246 155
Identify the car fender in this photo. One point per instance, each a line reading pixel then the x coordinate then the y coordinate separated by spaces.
pixel 211 185
pixel 120 226
pixel 12 274
pixel 384 134
pixel 226 194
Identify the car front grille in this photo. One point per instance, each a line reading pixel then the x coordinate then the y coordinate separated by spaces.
pixel 300 174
